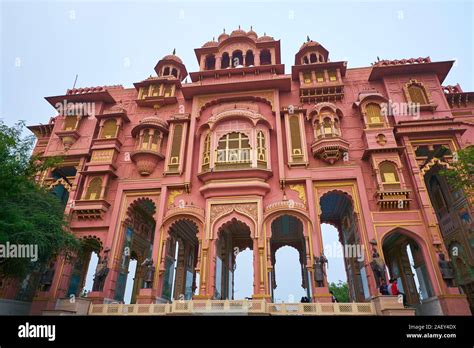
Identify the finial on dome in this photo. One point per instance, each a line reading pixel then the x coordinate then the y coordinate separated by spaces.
pixel 239 26
pixel 264 33
pixel 307 38
pixel 224 31
pixel 174 51
pixel 251 27
pixel 213 38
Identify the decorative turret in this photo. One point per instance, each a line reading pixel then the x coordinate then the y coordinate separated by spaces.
pixel 171 66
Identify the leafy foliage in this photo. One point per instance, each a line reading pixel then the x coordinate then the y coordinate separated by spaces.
pixel 340 291
pixel 29 214
pixel 460 175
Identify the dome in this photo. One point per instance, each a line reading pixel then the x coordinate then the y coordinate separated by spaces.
pixel 151 122
pixel 310 43
pixel 173 57
pixel 238 32
pixel 210 44
pixel 252 34
pixel 222 37
pixel 265 38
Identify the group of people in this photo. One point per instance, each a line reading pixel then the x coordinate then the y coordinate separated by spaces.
pixel 391 289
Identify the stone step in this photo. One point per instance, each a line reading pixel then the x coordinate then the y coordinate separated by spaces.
pixel 399 311
pixel 48 312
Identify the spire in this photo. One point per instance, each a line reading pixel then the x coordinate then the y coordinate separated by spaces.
pixel 174 51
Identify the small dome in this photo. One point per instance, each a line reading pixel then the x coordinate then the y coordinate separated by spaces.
pixel 238 32
pixel 150 122
pixel 310 43
pixel 210 44
pixel 173 57
pixel 222 37
pixel 265 38
pixel 252 34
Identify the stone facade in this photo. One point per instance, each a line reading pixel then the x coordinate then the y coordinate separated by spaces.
pixel 246 156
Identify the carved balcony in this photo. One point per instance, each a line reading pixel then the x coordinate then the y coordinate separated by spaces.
pixel 393 199
pixel 149 135
pixel 329 149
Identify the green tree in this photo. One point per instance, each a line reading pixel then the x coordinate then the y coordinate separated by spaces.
pixel 340 291
pixel 460 174
pixel 29 214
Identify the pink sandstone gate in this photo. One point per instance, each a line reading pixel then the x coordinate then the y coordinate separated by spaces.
pixel 173 175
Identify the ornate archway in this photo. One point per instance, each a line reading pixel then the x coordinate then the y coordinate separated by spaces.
pixel 139 232
pixel 337 209
pixel 402 249
pixel 180 259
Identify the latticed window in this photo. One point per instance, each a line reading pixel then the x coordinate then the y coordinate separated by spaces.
pixel 143 92
pixel 206 153
pixel 327 127
pixel 70 123
pixel 332 75
pixel 261 149
pixel 109 129
pixel 233 148
pixel 168 91
pixel 389 174
pixel 155 140
pixel 94 188
pixel 155 90
pixel 320 76
pixel 146 139
pixel 307 77
pixel 374 115
pixel 417 94
pixel 176 146
pixel 296 149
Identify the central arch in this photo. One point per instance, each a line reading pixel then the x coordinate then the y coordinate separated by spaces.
pixel 181 257
pixel 405 256
pixel 139 233
pixel 233 237
pixel 288 231
pixel 337 209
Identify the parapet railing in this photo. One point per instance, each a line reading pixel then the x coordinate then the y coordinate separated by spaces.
pixel 236 307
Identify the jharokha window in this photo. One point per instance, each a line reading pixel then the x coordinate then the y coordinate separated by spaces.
pixel 296 148
pixel 109 129
pixel 307 77
pixel 327 125
pixel 206 154
pixel 417 94
pixel 389 174
pixel 233 150
pixel 70 123
pixel 221 149
pixel 151 140
pixel 374 115
pixel 261 150
pixel 320 76
pixel 94 189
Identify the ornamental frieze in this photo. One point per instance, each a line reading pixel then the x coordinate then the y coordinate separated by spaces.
pixel 218 210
